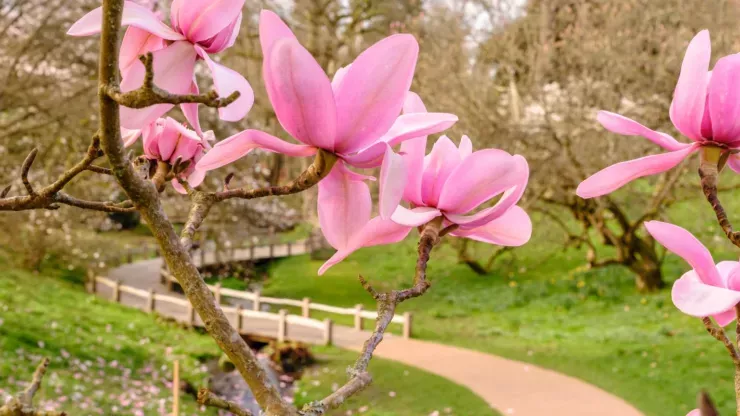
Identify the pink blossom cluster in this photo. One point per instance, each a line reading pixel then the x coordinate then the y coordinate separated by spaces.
pixel 706 110
pixel 362 116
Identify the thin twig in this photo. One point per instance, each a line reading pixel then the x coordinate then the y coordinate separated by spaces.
pixel 387 302
pixel 22 404
pixel 709 173
pixel 720 335
pixel 203 201
pixel 207 398
pixel 149 94
pixel 25 168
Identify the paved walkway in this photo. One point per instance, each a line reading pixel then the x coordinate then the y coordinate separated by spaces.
pixel 511 387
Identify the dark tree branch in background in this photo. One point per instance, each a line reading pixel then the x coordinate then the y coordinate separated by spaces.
pixel 387 302
pixel 149 94
pixel 706 407
pixel 51 196
pixel 207 398
pixel 22 404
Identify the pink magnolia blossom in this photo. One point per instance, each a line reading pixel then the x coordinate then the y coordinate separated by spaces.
pixel 708 289
pixel 695 412
pixel 169 141
pixel 705 108
pixel 450 182
pixel 355 116
pixel 199 28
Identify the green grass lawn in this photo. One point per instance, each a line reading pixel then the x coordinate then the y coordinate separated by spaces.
pixel 396 390
pixel 107 359
pixel 545 308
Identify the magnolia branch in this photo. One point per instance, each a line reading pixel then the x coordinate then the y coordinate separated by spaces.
pixel 149 94
pixel 207 398
pixel 387 303
pixel 203 201
pixel 22 404
pixel 709 174
pixel 51 196
pixel 145 197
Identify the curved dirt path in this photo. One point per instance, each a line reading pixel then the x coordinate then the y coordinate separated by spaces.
pixel 511 387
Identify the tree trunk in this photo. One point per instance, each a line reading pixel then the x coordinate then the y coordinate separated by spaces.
pixel 647 267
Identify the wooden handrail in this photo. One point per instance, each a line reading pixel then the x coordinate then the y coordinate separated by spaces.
pixel 284 318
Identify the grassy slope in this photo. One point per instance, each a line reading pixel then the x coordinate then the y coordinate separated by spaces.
pixel 544 308
pixel 107 359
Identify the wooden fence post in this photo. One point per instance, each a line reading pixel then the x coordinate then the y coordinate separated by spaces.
pixel 239 318
pixel 130 256
pixel 358 317
pixel 272 250
pixel 191 314
pixel 150 304
pixel 328 331
pixel 290 250
pixel 308 245
pixel 407 317
pixel 251 252
pixel 256 301
pixel 176 389
pixel 170 282
pixel 116 295
pixel 282 326
pixel 92 281
pixel 217 293
pixel 306 308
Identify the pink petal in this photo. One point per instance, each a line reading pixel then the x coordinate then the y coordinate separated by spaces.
pixel 226 81
pixel 373 92
pixel 734 163
pixel 129 136
pixel 413 104
pixel 413 152
pixel 509 198
pixel 466 147
pixel 272 29
pixel 173 71
pixel 615 176
pixel 696 298
pixel 372 157
pixel 392 183
pixel 724 100
pixel 682 243
pixel 239 145
pixel 689 99
pixel 512 229
pixel 414 217
pixel 191 112
pixel 133 15
pixel 485 174
pixel 301 94
pixel 137 42
pixel 619 124
pixel 376 232
pixel 410 126
pixel 441 162
pixel 200 20
pixel 336 81
pixel 344 206
pixel 695 412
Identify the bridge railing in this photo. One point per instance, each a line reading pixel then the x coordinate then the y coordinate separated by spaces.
pixel 153 302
